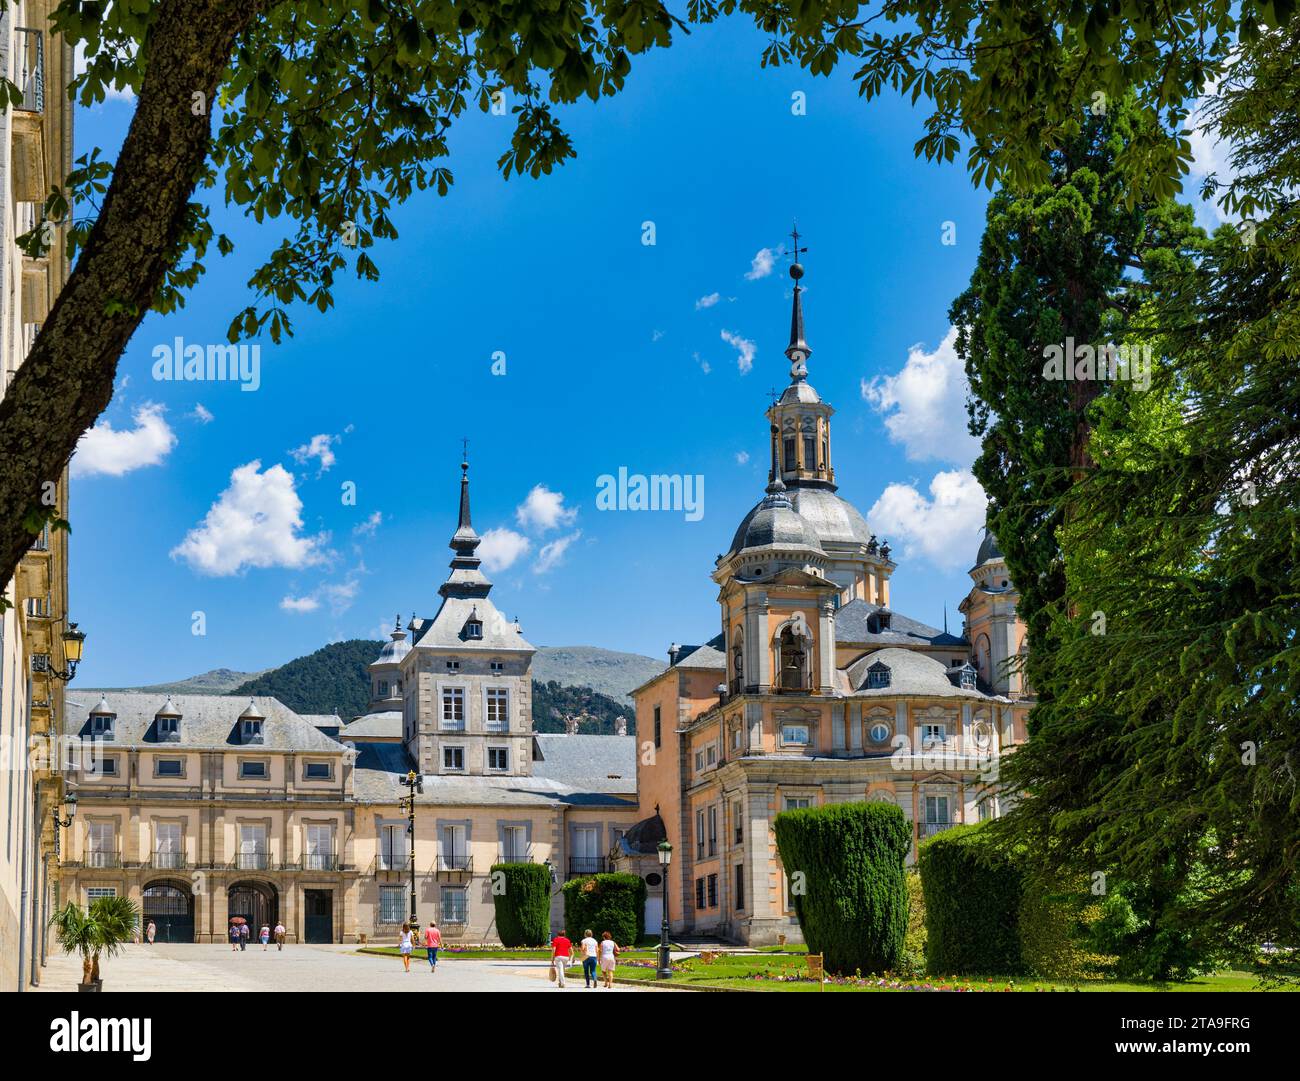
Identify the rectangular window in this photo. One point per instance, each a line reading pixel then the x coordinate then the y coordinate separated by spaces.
pixel 252 731
pixel 168 767
pixel 658 733
pixel 514 847
pixel 699 760
pixel 255 771
pixel 453 666
pixel 455 848
pixel 453 709
pixel 809 452
pixel 794 733
pixel 797 803
pixel 738 820
pixel 253 854
pixel 933 734
pixel 453 758
pixel 936 810
pixel 106 767
pixel 498 709
pixel 699 835
pixel 394 849
pixel 101 838
pixel 316 771
pixel 320 848
pixel 713 891
pixel 711 754
pixel 169 729
pixel 168 845
pixel 586 858
pixel 790 464
pixel 94 893
pixel 713 830
pixel 740 887
pixel 101 726
pixel 498 758
pixel 455 904
pixel 699 893
pixel 392 904
pixel 497 666
pixel 383 688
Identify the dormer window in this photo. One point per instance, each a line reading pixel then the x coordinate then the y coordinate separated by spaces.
pixel 250 730
pixel 168 729
pixel 966 674
pixel 102 725
pixel 474 628
pixel 878 676
pixel 383 688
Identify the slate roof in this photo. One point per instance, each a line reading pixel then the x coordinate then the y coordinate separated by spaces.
pixel 643 838
pixel 910 672
pixel 709 655
pixel 851 628
pixel 208 721
pixel 589 763
pixel 381 766
pixel 385 724
pixel 446 629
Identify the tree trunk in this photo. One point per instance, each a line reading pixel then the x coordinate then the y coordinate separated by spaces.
pixel 94 967
pixel 67 379
pixel 85 968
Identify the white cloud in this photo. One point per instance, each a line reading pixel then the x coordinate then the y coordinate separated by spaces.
pixel 368 527
pixel 924 405
pixel 708 301
pixel 200 413
pixel 299 604
pixel 742 456
pixel 552 554
pixel 317 447
pixel 654 337
pixel 1209 155
pixel 256 522
pixel 942 529
pixel 761 265
pixel 543 509
pixel 501 547
pixel 108 451
pixel 705 366
pixel 745 350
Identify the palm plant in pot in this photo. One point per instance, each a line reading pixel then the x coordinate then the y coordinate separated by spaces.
pixel 103 928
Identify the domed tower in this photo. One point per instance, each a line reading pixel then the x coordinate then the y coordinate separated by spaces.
pixel 995 630
pixel 386 672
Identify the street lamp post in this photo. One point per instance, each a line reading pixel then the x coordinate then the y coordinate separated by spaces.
pixel 414 786
pixel 665 858
pixel 74 642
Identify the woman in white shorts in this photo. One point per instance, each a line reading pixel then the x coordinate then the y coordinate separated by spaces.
pixel 405 943
pixel 608 953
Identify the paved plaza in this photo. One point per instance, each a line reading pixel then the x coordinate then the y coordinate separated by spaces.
pixel 300 968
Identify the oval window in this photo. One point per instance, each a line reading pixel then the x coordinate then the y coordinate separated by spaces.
pixel 653 879
pixel 879 733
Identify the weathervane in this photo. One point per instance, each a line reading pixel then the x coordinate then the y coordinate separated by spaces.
pixel 796 251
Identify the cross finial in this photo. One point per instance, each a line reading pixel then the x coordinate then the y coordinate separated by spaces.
pixel 464 450
pixel 796 251
pixel 771 393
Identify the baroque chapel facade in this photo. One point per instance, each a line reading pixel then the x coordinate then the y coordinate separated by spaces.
pixel 814 691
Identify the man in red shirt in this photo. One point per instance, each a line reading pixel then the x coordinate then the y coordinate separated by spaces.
pixel 432 940
pixel 561 955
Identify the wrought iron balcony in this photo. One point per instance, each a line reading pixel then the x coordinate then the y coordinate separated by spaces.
pixel 391 863
pixel 252 861
pixel 31 69
pixel 320 861
pixel 454 863
pixel 168 861
pixel 586 865
pixel 103 859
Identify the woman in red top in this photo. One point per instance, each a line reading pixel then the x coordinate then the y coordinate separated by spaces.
pixel 561 955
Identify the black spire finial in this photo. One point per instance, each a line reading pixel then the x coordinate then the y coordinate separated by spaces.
pixel 798 350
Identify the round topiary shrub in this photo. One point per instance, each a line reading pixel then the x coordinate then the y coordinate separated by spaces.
pixel 521 894
pixel 844 863
pixel 973 898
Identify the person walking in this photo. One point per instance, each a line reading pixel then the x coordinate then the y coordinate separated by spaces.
pixel 432 940
pixel 279 936
pixel 589 947
pixel 234 937
pixel 243 936
pixel 149 932
pixel 561 955
pixel 405 943
pixel 265 936
pixel 608 953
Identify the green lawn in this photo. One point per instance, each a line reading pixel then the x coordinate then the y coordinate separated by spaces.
pixel 788 972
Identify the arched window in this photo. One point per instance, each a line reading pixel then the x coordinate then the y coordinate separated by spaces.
pixel 738 661
pixel 792 661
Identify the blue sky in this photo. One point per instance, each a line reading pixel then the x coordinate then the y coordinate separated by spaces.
pixel 615 357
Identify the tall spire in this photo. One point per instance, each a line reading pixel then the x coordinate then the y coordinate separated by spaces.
pixel 466 579
pixel 798 350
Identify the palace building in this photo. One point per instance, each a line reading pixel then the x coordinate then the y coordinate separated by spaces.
pixel 204 807
pixel 815 691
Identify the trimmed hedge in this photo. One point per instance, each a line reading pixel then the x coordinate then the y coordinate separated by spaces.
pixel 848 859
pixel 521 894
pixel 610 902
pixel 972 906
